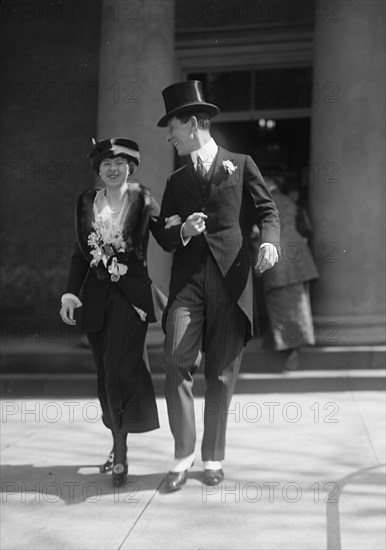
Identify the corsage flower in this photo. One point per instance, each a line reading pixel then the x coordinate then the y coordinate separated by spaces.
pixel 229 167
pixel 116 269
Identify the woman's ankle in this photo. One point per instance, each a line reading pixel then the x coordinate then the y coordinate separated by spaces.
pixel 120 449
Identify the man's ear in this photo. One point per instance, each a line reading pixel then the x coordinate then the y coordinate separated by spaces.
pixel 194 122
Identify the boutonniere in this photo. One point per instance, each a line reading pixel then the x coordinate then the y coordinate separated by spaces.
pixel 229 167
pixel 106 242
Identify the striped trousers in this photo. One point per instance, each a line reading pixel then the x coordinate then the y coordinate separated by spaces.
pixel 203 316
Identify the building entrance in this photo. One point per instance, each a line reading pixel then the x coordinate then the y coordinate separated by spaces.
pixel 275 145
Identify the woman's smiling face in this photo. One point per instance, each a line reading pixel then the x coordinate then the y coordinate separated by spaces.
pixel 114 171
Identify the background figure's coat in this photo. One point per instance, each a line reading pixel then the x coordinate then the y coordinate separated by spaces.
pixel 285 286
pixel 296 264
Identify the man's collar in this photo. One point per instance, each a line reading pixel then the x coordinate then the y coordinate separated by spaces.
pixel 207 151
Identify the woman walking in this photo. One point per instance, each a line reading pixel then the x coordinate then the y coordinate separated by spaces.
pixel 109 279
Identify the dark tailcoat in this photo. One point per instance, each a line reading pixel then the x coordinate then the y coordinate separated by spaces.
pixel 92 284
pixel 235 203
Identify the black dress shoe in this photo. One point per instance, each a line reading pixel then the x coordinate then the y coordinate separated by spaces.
pixel 175 480
pixel 108 465
pixel 119 474
pixel 213 477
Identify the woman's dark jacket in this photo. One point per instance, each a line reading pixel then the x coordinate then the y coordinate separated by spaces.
pixel 91 284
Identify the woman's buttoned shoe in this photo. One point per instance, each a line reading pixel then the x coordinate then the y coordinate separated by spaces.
pixel 108 465
pixel 119 474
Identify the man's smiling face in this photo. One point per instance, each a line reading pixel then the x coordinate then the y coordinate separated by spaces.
pixel 182 136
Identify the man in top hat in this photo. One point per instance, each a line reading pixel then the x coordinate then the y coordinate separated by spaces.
pixel 218 196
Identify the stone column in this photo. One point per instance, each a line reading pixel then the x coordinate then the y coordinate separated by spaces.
pixel 347 188
pixel 137 60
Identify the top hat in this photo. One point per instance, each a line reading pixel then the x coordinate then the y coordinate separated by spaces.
pixel 112 147
pixel 184 97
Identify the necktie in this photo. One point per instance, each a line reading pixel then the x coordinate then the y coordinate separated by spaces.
pixel 203 180
pixel 201 170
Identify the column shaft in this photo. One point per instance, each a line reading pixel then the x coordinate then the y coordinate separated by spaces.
pixel 347 193
pixel 137 60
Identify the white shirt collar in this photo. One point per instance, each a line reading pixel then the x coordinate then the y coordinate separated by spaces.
pixel 206 153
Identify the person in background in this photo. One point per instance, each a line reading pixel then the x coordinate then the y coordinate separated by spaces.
pixel 109 279
pixel 286 286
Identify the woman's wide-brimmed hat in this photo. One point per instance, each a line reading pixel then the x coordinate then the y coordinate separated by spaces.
pixel 112 147
pixel 185 97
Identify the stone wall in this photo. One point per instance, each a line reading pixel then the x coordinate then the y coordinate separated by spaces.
pixel 50 93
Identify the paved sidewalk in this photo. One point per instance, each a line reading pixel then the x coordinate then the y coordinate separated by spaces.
pixel 303 471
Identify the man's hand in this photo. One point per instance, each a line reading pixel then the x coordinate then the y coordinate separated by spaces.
pixel 67 312
pixel 267 257
pixel 194 225
pixel 172 220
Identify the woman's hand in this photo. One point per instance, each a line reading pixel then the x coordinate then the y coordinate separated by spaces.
pixel 172 220
pixel 67 312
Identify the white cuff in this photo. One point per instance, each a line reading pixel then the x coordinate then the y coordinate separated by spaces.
pixel 68 297
pixel 184 241
pixel 141 313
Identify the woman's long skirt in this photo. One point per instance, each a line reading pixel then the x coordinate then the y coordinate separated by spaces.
pixel 290 318
pixel 125 387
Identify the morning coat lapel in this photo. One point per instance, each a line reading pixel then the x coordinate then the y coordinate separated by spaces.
pixel 219 176
pixel 189 181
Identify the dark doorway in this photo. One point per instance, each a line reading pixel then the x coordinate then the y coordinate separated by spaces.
pixel 273 144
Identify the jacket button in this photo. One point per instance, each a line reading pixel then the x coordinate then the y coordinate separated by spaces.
pixel 203 209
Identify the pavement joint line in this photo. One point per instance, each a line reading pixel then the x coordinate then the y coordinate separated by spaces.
pixel 16 442
pixel 364 426
pixel 141 514
pixel 333 514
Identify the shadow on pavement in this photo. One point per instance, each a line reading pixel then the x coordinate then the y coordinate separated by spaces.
pixel 71 484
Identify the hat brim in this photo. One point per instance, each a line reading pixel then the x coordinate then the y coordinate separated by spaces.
pixel 211 109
